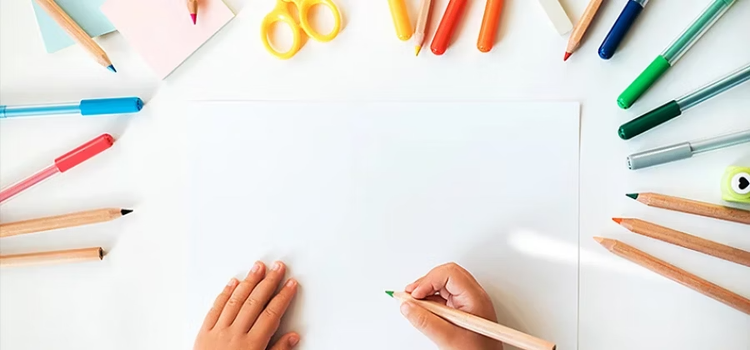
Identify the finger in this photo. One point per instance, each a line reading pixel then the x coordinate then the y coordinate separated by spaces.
pixel 436 298
pixel 268 321
pixel 437 329
pixel 259 297
pixel 240 294
pixel 451 277
pixel 286 342
pixel 213 315
pixel 413 285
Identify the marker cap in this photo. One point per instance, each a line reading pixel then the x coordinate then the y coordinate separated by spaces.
pixel 111 106
pixel 650 120
pixel 660 156
pixel 638 87
pixel 84 152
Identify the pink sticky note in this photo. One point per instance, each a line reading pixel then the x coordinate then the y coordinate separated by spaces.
pixel 162 32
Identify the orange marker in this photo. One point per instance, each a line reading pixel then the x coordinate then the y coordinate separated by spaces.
pixel 489 25
pixel 447 26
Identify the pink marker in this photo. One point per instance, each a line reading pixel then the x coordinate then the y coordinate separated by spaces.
pixel 61 165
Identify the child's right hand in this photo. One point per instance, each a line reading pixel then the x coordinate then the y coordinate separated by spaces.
pixel 455 287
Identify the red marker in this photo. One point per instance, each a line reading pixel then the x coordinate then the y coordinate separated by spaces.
pixel 447 26
pixel 61 165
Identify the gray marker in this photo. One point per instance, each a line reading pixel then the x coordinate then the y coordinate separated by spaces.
pixel 685 150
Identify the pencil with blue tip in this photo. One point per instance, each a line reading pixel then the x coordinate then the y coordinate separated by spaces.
pixel 76 33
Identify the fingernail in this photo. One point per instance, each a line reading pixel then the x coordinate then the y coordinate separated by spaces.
pixel 256 267
pixel 291 283
pixel 276 266
pixel 293 340
pixel 405 309
pixel 232 282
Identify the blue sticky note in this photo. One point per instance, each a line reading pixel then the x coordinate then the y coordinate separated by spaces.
pixel 85 12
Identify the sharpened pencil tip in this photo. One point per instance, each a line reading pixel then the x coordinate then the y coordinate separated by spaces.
pixel 417 49
pixel 599 239
pixel 194 17
pixel 124 212
pixel 632 195
pixel 390 293
pixel 567 55
pixel 112 68
pixel 617 220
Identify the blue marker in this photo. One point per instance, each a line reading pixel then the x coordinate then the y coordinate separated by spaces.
pixel 85 107
pixel 621 27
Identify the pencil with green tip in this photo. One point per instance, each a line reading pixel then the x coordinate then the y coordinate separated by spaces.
pixel 674 52
pixel 477 324
pixel 692 207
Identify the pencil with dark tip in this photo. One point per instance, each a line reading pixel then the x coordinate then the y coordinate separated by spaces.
pixel 692 207
pixel 477 324
pixel 61 221
pixel 76 32
pixel 676 274
pixel 193 10
pixel 685 240
pixel 580 29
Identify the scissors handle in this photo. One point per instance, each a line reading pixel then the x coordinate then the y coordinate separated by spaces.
pixel 280 14
pixel 304 7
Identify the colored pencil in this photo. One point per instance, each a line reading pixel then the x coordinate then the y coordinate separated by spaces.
pixel 685 240
pixel 490 21
pixel 193 10
pixel 580 29
pixel 692 207
pixel 61 221
pixel 401 20
pixel 447 26
pixel 53 257
pixel 76 32
pixel 477 324
pixel 419 32
pixel 676 274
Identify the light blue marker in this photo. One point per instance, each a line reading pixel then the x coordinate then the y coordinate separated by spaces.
pixel 99 106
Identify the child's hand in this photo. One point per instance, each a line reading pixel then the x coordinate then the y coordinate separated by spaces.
pixel 243 318
pixel 458 289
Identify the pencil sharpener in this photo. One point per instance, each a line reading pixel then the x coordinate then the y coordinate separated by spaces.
pixel 736 185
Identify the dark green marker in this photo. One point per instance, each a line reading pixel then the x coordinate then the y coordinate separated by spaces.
pixel 675 108
pixel 669 57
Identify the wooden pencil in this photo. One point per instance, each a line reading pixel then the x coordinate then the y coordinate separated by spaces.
pixel 193 10
pixel 685 240
pixel 692 207
pixel 478 325
pixel 580 28
pixel 676 274
pixel 76 32
pixel 419 32
pixel 61 221
pixel 53 257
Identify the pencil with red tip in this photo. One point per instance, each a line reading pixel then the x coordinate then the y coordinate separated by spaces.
pixel 61 164
pixel 193 9
pixel 580 29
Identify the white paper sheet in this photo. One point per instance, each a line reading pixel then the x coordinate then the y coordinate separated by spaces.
pixel 358 198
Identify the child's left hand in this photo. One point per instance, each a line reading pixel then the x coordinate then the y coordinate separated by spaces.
pixel 243 318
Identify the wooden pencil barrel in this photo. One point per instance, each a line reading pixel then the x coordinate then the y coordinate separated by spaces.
pixel 53 257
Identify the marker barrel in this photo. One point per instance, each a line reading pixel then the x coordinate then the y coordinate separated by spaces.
pixel 714 88
pixel 695 31
pixel 720 142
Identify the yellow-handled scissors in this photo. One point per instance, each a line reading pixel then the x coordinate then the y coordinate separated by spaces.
pixel 281 13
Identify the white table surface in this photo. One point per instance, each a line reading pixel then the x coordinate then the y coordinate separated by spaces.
pixel 135 298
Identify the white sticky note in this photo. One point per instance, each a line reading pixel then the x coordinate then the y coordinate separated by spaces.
pixel 557 16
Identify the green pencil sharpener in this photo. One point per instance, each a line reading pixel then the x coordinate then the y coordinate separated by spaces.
pixel 735 185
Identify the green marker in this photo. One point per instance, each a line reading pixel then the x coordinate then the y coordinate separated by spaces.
pixel 675 108
pixel 669 57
